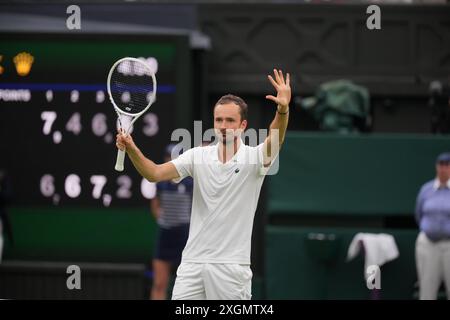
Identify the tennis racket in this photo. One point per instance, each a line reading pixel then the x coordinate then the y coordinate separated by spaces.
pixel 132 90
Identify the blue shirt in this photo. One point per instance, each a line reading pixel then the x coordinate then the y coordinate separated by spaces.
pixel 433 210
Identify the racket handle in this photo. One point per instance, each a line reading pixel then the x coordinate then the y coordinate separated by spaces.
pixel 120 160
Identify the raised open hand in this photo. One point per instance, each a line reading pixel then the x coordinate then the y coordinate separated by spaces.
pixel 283 90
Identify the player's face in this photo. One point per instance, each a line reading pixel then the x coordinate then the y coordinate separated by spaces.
pixel 443 170
pixel 228 125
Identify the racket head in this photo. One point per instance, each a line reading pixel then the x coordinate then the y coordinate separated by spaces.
pixel 131 86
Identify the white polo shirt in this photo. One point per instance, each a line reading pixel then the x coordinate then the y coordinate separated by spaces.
pixel 224 202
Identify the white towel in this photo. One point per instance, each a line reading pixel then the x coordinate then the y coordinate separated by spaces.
pixel 379 248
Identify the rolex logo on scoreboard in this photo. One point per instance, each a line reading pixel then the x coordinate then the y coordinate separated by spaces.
pixel 1 68
pixel 23 62
pixel 127 67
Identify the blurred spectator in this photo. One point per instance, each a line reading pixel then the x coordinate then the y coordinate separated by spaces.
pixel 172 209
pixel 433 242
pixel 5 198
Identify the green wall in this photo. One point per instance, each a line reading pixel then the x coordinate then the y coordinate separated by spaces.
pixel 338 185
pixel 298 268
pixel 63 234
pixel 352 174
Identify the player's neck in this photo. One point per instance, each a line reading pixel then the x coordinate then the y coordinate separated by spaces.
pixel 228 150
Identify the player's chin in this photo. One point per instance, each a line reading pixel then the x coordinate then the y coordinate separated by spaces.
pixel 229 140
pixel 226 138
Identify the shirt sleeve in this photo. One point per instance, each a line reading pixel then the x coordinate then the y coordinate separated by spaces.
pixel 266 169
pixel 419 203
pixel 184 164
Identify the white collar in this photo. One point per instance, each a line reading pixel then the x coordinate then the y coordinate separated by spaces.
pixel 437 183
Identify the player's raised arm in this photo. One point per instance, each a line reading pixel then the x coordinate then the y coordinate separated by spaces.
pixel 278 127
pixel 147 168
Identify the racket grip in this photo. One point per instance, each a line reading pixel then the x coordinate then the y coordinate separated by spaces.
pixel 120 160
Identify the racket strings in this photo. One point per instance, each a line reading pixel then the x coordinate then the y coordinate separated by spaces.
pixel 131 86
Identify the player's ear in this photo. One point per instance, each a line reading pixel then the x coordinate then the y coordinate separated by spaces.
pixel 243 124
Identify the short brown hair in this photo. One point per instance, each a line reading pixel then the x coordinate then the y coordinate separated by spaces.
pixel 229 98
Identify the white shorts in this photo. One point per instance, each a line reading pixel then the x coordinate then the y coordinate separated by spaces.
pixel 212 281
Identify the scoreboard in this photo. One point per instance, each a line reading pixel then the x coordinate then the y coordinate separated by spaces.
pixel 58 126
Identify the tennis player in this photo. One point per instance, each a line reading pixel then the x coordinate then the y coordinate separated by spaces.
pixel 227 181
